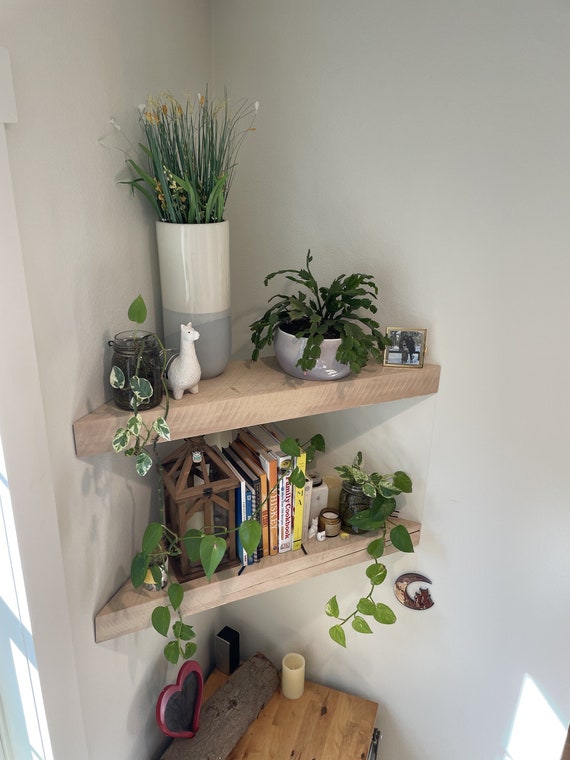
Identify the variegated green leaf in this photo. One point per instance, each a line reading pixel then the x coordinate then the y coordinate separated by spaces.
pixel 161 428
pixel 117 377
pixel 134 424
pixel 121 439
pixel 141 387
pixel 376 573
pixel 143 463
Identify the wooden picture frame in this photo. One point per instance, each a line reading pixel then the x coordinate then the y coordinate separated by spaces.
pixel 408 347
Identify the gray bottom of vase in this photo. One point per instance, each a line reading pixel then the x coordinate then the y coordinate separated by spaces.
pixel 214 347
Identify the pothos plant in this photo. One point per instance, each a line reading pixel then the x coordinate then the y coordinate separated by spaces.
pixel 208 545
pixel 133 438
pixel 381 490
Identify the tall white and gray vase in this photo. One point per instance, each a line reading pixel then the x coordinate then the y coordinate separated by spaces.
pixel 194 262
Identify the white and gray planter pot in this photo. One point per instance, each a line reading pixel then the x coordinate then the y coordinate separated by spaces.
pixel 289 349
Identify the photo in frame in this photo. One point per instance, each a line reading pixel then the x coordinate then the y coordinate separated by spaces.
pixel 408 347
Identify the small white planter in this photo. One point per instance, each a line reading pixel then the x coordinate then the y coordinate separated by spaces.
pixel 289 349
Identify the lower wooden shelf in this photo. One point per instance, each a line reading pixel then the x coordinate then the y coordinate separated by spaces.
pixel 129 610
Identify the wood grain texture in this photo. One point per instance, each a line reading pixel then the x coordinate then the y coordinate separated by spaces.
pixel 251 393
pixel 130 609
pixel 228 713
pixel 324 724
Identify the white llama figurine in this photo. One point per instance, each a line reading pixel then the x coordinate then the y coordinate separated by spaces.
pixel 183 371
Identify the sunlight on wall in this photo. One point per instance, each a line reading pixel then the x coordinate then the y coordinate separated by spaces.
pixel 537 730
pixel 21 702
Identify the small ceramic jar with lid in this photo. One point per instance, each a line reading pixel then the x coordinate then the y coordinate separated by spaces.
pixel 329 522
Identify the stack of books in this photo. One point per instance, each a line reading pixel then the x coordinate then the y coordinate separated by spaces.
pixel 264 492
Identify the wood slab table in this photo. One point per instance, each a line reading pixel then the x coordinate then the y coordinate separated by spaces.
pixel 324 724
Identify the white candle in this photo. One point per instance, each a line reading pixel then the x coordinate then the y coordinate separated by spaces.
pixel 293 675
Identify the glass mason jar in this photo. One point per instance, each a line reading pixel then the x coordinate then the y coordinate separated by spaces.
pixel 136 352
pixel 351 500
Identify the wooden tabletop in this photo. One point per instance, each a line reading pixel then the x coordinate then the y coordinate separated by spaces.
pixel 324 724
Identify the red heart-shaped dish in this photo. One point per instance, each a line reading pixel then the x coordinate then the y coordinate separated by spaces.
pixel 178 706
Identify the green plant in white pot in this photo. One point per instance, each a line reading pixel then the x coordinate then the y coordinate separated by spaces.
pixel 321 332
pixel 189 159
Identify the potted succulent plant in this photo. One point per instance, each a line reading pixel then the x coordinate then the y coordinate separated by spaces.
pixel 321 333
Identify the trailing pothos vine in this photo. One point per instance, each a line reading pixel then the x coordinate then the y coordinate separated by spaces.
pixel 159 542
pixel 381 490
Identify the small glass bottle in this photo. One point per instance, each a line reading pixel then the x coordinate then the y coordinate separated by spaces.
pixel 136 352
pixel 351 501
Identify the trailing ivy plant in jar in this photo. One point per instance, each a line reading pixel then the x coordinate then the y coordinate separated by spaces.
pixel 370 512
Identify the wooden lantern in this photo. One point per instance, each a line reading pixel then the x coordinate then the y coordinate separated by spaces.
pixel 199 492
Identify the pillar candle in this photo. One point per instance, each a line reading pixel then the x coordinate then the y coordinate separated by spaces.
pixel 293 675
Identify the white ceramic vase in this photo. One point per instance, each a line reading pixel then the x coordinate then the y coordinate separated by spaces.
pixel 194 262
pixel 288 351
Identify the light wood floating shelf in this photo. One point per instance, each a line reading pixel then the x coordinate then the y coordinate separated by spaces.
pixel 250 393
pixel 130 609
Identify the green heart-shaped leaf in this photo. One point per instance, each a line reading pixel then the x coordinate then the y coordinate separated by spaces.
pixel 366 606
pixel 189 650
pixel 172 652
pixel 331 608
pixel 212 550
pixel 376 573
pixel 160 619
pixel 383 614
pixel 250 535
pixel 337 635
pixel 151 537
pixel 139 569
pixel 401 539
pixel 403 482
pixel 376 548
pixel 175 595
pixel 137 310
pixel 182 631
pixel 359 624
pixel 192 540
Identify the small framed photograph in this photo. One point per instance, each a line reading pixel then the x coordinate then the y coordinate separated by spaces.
pixel 408 347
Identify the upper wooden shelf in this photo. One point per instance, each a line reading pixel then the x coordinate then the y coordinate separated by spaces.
pixel 250 393
pixel 130 609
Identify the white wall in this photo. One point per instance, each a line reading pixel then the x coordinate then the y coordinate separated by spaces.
pixel 428 144
pixel 425 143
pixel 88 250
